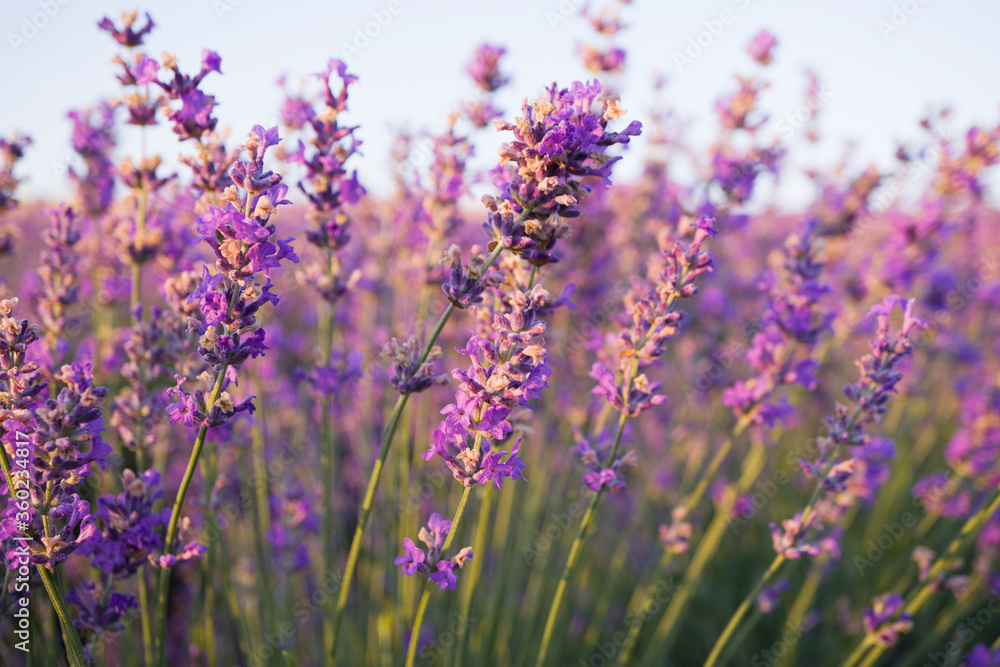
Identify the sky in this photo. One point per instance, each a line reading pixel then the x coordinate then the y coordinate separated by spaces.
pixel 883 63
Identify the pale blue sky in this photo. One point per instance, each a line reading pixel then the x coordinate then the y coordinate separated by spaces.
pixel 411 72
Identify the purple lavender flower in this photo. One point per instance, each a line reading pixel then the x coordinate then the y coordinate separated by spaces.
pixel 485 68
pixel 98 613
pixel 147 356
pixel 880 374
pixel 193 120
pixel 130 534
pixel 93 139
pixel 407 376
pixel 760 47
pixel 441 571
pixel 246 248
pixel 795 318
pixel 126 35
pixel 506 373
pixel 649 321
pixel 884 622
pixel 982 656
pixel 600 61
pixel 557 142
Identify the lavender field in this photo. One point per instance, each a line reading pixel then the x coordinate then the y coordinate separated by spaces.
pixel 610 392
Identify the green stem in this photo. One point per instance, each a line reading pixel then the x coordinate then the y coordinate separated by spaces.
pixel 147 630
pixel 581 533
pixel 208 567
pixel 926 590
pixel 478 550
pixel 74 648
pixel 779 559
pixel 172 527
pixel 383 453
pixel 666 630
pixel 328 457
pixel 411 652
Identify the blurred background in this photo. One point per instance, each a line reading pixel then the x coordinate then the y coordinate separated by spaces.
pixel 882 64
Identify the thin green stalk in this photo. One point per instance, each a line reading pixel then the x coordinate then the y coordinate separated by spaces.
pixel 74 648
pixel 261 507
pixel 242 635
pixel 359 530
pixel 472 578
pixel 328 457
pixel 209 475
pixel 926 590
pixel 383 453
pixel 147 630
pixel 411 652
pixel 172 527
pixel 778 561
pixel 690 503
pixel 576 548
pixel 666 630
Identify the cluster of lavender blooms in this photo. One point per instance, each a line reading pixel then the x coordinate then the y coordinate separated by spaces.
pixel 93 139
pixel 103 463
pixel 11 151
pixel 793 323
pixel 59 275
pixel 440 570
pixel 557 141
pixel 649 321
pixel 246 249
pixel 505 373
pixel 63 434
pixel 880 373
pixel 328 185
pixel 485 72
pixel 609 59
pixel 148 356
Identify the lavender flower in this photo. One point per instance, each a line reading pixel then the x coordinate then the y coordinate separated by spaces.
pixel 246 248
pixel 884 623
pixel 485 68
pixel 982 656
pixel 649 321
pixel 760 47
pixel 441 571
pixel 557 141
pixel 506 373
pixel 880 374
pixel 130 536
pixel 795 317
pixel 93 139
pixel 147 355
pixel 59 275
